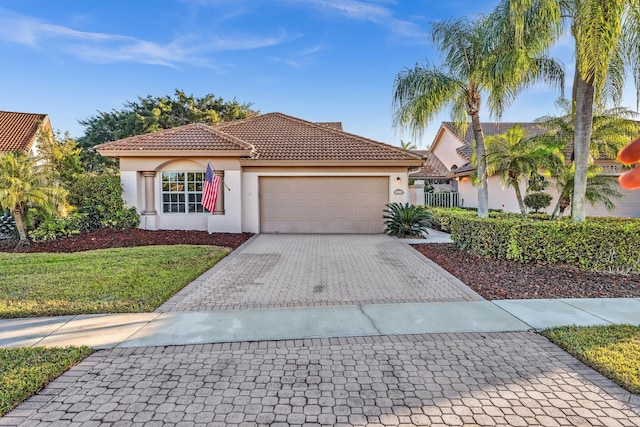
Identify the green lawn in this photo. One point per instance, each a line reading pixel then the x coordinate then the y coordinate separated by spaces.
pixel 102 281
pixel 612 350
pixel 24 371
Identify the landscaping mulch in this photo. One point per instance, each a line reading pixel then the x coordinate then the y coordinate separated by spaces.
pixel 130 237
pixel 503 279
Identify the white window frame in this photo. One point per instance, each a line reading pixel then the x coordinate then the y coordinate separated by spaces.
pixel 180 194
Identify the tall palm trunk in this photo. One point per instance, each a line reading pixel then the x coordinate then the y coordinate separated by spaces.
pixel 584 92
pixel 483 194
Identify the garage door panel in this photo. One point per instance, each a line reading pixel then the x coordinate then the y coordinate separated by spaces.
pixel 322 204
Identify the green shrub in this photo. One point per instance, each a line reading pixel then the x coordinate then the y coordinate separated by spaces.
pixel 406 220
pixel 600 244
pixel 593 244
pixel 487 237
pixel 537 201
pixel 98 198
pixel 56 227
pixel 441 217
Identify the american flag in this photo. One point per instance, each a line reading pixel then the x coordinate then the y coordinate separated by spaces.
pixel 210 190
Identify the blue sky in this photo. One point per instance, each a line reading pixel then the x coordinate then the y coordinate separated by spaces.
pixel 320 60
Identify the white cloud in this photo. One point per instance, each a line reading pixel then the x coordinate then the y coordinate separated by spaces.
pixel 370 12
pixel 111 48
pixel 299 59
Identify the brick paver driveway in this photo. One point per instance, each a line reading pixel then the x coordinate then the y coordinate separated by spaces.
pixel 306 270
pixel 514 379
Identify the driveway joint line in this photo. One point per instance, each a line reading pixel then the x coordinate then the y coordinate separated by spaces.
pixel 42 338
pixel 513 315
pixel 585 311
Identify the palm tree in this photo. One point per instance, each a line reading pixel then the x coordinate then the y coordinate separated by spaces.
pixel 606 35
pixel 516 158
pixel 600 189
pixel 610 131
pixel 24 184
pixel 476 62
pixel 408 145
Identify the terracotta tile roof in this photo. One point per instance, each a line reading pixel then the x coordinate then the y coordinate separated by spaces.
pixel 466 151
pixel 272 136
pixel 18 131
pixel 431 168
pixel 332 125
pixel 277 136
pixel 489 129
pixel 464 169
pixel 194 136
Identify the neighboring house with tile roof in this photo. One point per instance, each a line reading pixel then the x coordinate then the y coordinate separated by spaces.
pixel 280 174
pixel 19 131
pixel 455 149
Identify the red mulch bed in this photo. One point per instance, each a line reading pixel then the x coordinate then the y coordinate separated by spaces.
pixel 503 279
pixel 130 237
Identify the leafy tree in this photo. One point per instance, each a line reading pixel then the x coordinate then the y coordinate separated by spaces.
pixel 606 35
pixel 152 114
pixel 515 158
pixel 24 184
pixel 61 155
pixel 477 61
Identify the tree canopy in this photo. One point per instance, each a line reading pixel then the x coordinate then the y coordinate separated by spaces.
pixel 150 114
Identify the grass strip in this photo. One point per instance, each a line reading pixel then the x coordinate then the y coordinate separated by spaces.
pixel 26 370
pixel 121 280
pixel 612 350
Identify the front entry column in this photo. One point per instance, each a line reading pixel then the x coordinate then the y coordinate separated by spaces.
pixel 219 209
pixel 149 193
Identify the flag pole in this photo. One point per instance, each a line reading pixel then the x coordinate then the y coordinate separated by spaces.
pixel 223 183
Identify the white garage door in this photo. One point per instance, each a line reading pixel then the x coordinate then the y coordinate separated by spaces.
pixel 323 204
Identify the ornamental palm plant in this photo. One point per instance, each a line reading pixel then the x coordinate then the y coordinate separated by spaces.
pixel 24 184
pixel 477 62
pixel 600 189
pixel 611 129
pixel 406 220
pixel 515 158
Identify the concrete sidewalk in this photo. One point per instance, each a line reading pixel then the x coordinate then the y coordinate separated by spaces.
pixel 160 329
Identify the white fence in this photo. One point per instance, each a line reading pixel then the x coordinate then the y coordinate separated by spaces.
pixel 443 200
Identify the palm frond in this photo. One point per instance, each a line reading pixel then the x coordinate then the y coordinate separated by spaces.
pixel 420 93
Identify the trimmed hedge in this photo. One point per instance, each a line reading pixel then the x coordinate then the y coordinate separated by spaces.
pixel 600 244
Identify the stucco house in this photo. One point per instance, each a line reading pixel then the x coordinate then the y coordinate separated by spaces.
pixel 280 174
pixel 454 151
pixel 19 131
